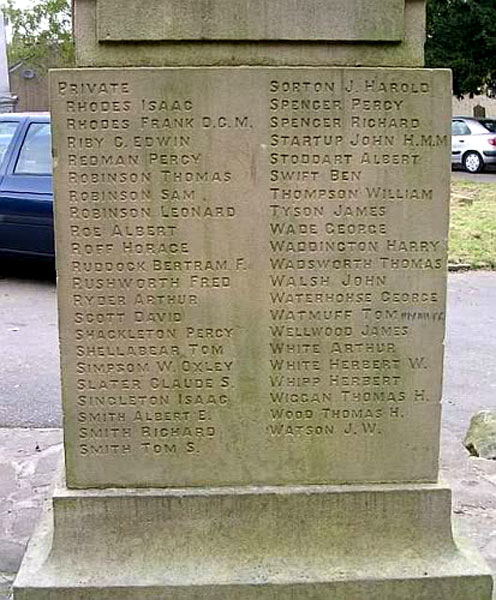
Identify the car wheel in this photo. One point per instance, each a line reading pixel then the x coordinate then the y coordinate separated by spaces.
pixel 472 162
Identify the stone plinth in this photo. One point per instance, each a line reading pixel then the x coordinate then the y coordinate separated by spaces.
pixel 329 20
pixel 174 38
pixel 353 542
pixel 252 278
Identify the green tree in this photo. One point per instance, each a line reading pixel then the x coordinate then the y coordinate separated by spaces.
pixel 461 35
pixel 40 35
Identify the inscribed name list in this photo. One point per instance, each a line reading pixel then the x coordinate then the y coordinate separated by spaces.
pixel 251 274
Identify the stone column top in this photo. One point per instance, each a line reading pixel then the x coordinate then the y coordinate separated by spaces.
pixel 256 20
pixel 249 32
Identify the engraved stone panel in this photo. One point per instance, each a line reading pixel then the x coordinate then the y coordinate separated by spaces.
pixel 329 20
pixel 251 273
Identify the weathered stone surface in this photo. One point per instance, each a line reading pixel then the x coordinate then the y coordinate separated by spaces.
pixel 481 435
pixel 275 20
pixel 251 269
pixel 253 283
pixel 472 479
pixel 91 51
pixel 22 454
pixel 6 581
pixel 353 542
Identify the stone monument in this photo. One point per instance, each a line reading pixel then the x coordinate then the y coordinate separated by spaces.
pixel 252 217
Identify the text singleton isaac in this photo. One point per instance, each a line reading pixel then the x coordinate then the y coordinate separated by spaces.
pixel 249 276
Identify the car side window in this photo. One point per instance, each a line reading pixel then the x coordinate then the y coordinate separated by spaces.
pixel 35 157
pixel 459 128
pixel 7 130
pixel 490 125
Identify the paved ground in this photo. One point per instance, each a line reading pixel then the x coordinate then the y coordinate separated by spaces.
pixel 30 406
pixel 470 363
pixel 29 369
pixel 470 386
pixel 488 176
pixel 28 459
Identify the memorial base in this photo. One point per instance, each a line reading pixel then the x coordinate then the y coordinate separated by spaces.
pixel 315 542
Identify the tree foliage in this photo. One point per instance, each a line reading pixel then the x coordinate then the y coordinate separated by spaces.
pixel 41 34
pixel 461 35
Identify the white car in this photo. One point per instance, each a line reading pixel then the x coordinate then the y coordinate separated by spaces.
pixel 473 143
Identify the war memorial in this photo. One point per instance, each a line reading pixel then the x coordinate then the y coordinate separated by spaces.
pixel 251 219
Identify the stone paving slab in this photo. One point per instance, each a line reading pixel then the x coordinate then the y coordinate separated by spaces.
pixel 5 585
pixel 28 461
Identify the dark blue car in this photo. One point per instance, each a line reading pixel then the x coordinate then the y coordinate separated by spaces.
pixel 26 193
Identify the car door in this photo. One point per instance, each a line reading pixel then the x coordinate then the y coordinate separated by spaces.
pixel 10 132
pixel 459 142
pixel 26 195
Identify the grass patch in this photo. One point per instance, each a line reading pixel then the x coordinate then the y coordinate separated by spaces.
pixel 472 240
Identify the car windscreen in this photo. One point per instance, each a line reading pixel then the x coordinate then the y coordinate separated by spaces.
pixel 35 157
pixel 7 130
